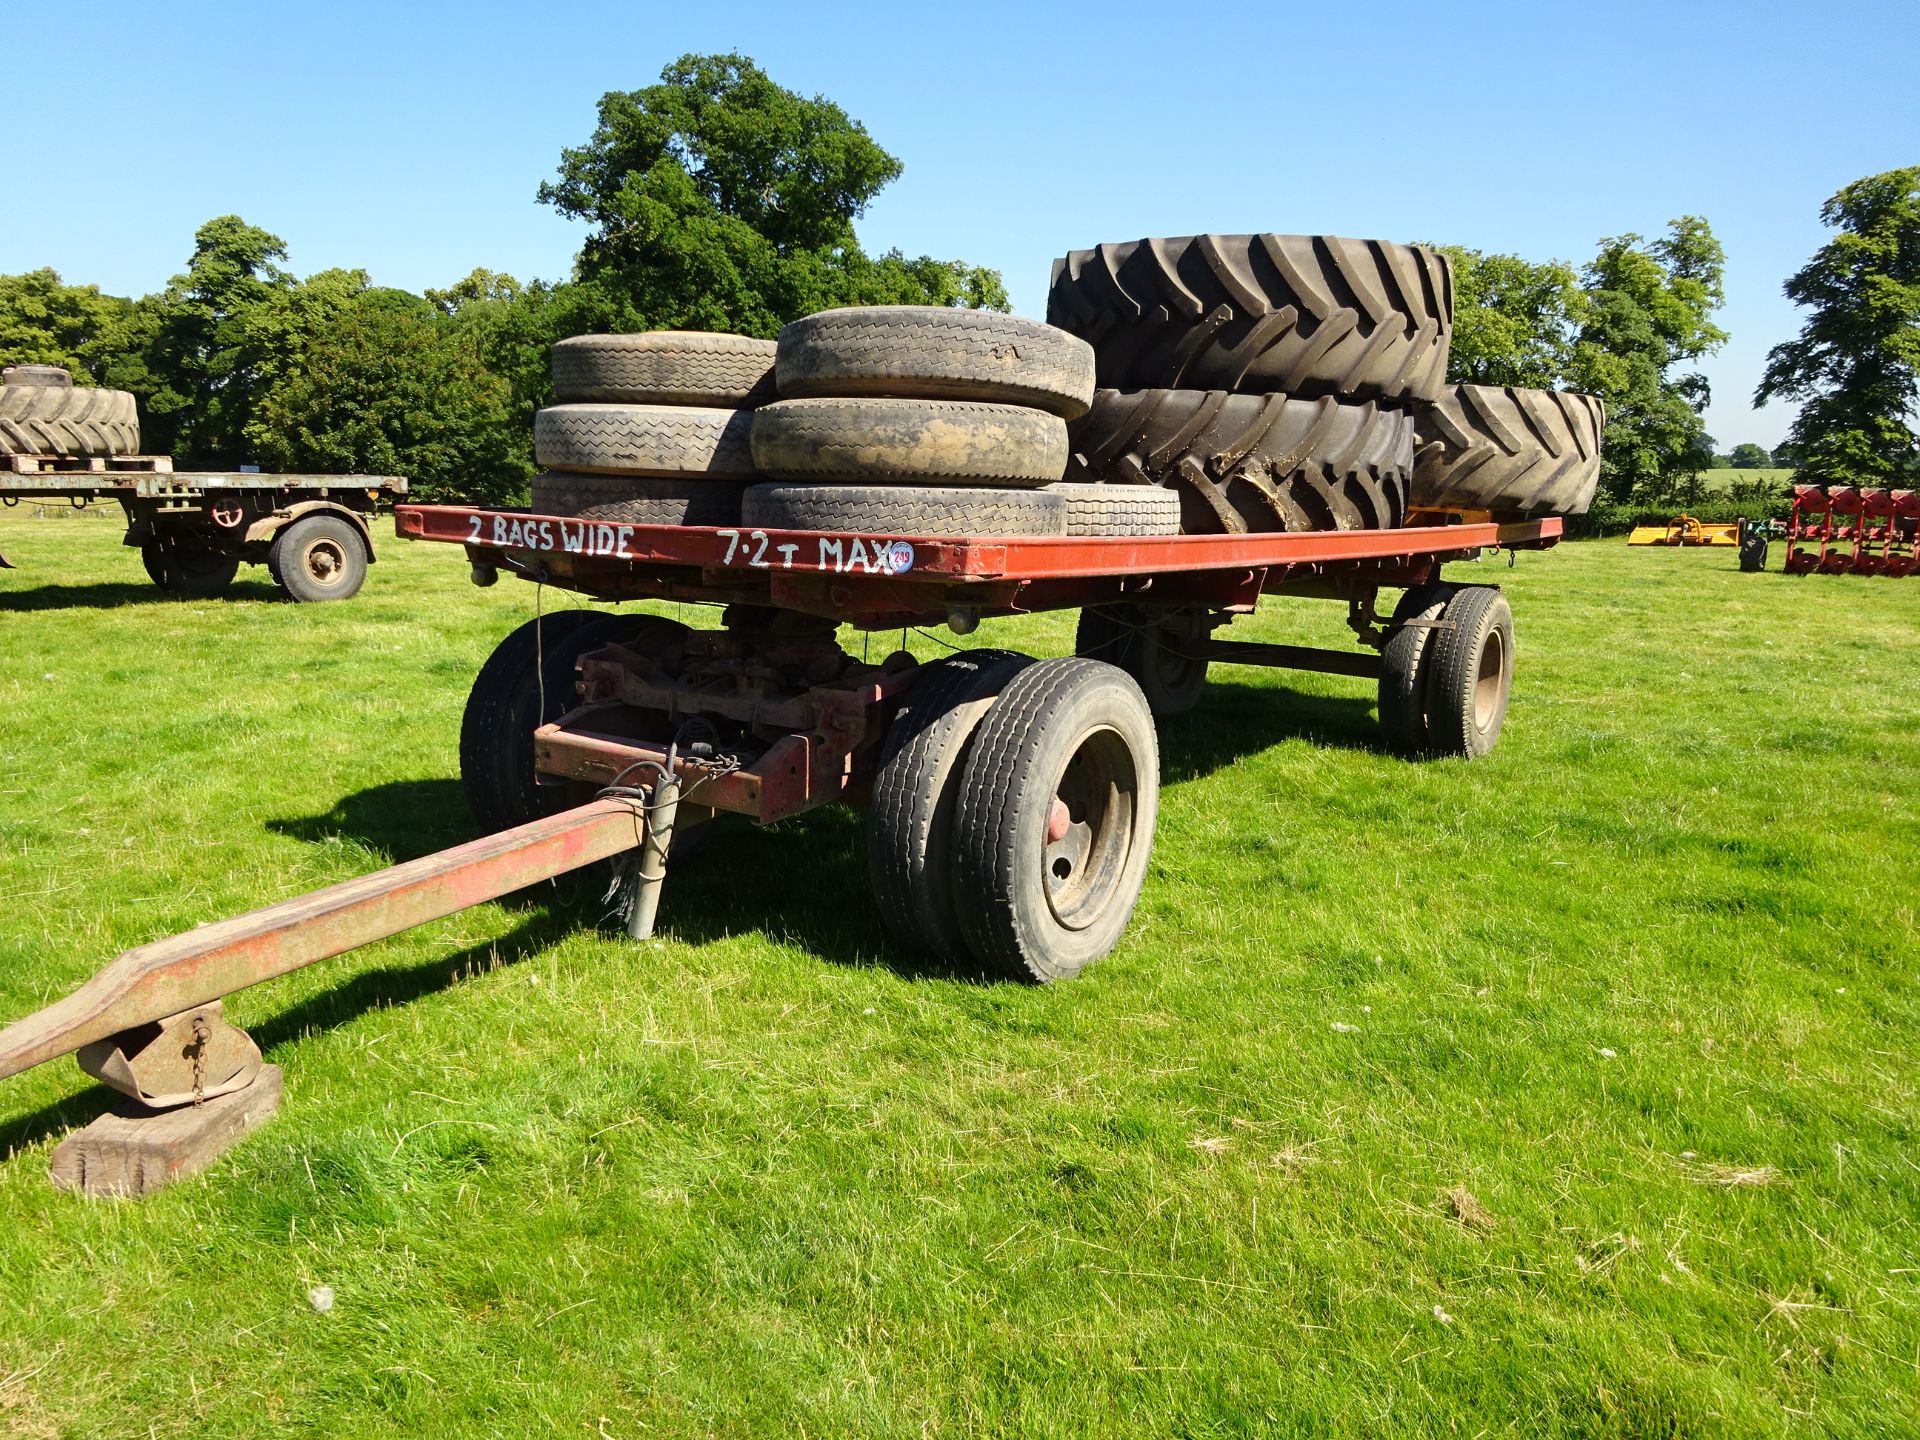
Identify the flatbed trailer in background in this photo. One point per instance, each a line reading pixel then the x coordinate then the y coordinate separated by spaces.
pixel 194 529
pixel 1011 801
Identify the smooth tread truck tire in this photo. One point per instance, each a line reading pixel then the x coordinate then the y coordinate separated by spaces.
pixel 40 415
pixel 1297 314
pixel 931 511
pixel 1119 509
pixel 645 440
pixel 920 442
pixel 1403 668
pixel 664 367
pixel 1160 646
pixel 1509 451
pixel 638 499
pixel 1055 822
pixel 935 352
pixel 318 557
pixel 1470 673
pixel 915 790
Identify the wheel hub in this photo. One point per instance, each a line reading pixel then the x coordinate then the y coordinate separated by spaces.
pixel 1089 829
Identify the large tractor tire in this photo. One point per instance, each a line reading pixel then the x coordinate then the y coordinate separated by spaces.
pixel 42 412
pixel 664 367
pixel 645 440
pixel 933 352
pixel 638 499
pixel 1296 314
pixel 1509 451
pixel 932 511
pixel 1252 462
pixel 924 442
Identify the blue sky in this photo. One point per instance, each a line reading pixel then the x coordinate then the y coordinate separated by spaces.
pixel 409 138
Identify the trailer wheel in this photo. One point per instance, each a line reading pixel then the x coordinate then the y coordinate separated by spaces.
pixel 1404 668
pixel 1158 647
pixel 318 557
pixel 188 569
pixel 1055 821
pixel 506 706
pixel 1472 672
pixel 916 789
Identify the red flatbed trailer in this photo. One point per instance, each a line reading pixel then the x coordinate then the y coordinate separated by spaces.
pixel 1013 800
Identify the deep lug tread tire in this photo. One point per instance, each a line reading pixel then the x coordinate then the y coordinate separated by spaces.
pixel 1119 509
pixel 1468 687
pixel 645 440
pixel 638 499
pixel 289 558
pixel 932 352
pixel 1252 463
pixel 1404 669
pixel 914 511
pixel 42 417
pixel 916 791
pixel 1021 750
pixel 1510 451
pixel 664 367
pixel 922 442
pixel 1296 314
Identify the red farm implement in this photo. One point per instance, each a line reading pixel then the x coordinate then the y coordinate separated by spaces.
pixel 1844 530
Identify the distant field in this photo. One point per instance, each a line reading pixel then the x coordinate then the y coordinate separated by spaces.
pixel 1726 478
pixel 1568 1093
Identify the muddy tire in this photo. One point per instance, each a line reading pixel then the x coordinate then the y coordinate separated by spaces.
pixel 916 511
pixel 41 416
pixel 655 440
pixel 1404 669
pixel 664 367
pixel 916 790
pixel 926 442
pixel 1470 675
pixel 1510 451
pixel 318 557
pixel 1244 463
pixel 638 499
pixel 1158 646
pixel 1055 823
pixel 1119 509
pixel 932 352
pixel 1298 314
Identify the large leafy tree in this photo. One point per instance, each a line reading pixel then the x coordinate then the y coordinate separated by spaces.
pixel 46 322
pixel 1855 363
pixel 720 201
pixel 1513 320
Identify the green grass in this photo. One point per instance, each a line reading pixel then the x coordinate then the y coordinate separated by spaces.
pixel 1642 982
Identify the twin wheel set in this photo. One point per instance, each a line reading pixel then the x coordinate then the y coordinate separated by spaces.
pixel 1011 801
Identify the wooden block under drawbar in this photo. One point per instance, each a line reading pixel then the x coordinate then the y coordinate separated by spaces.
pixel 138 1154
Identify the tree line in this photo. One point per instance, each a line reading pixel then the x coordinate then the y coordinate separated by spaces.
pixel 718 200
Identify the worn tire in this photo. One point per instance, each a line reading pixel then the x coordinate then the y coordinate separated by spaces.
pixel 638 499
pixel 44 417
pixel 1510 451
pixel 916 790
pixel 1470 673
pixel 318 557
pixel 1119 509
pixel 911 510
pixel 645 440
pixel 187 569
pixel 1153 644
pixel 927 442
pixel 1404 669
pixel 664 367
pixel 1018 907
pixel 934 352
pixel 56 376
pixel 1252 462
pixel 1299 314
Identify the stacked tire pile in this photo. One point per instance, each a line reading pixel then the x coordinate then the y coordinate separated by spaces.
pixel 1298 382
pixel 42 412
pixel 903 420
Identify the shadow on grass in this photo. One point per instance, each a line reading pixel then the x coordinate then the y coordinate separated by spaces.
pixel 401 820
pixel 116 595
pixel 1234 721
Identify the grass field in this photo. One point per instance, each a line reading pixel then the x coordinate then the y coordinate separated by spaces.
pixel 1571 1092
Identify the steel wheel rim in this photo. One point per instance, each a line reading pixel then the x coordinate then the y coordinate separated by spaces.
pixel 325 561
pixel 1089 828
pixel 1488 683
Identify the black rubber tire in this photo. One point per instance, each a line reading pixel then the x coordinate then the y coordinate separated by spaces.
pixel 933 352
pixel 54 375
pixel 187 569
pixel 1252 462
pixel 645 440
pixel 638 499
pixel 504 709
pixel 318 557
pixel 153 559
pixel 1404 669
pixel 925 442
pixel 1119 509
pixel 1509 451
pixel 43 417
pixel 1296 314
pixel 914 511
pixel 1154 646
pixel 1471 673
pixel 664 367
pixel 1005 872
pixel 916 789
